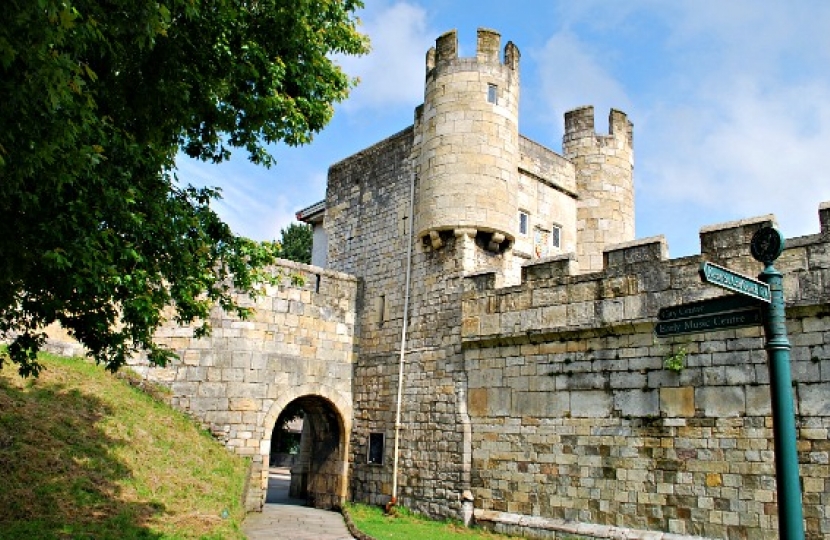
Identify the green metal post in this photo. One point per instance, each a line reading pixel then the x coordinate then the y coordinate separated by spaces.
pixel 788 483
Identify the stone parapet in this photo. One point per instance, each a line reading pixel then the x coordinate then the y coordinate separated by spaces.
pixel 581 425
pixel 636 281
pixel 548 166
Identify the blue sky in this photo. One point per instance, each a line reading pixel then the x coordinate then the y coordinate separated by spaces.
pixel 730 103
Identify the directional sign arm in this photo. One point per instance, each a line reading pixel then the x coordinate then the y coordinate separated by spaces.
pixel 710 306
pixel 709 323
pixel 733 281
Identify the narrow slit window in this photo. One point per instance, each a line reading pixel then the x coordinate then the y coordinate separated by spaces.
pixel 376 442
pixel 523 222
pixel 492 93
pixel 380 305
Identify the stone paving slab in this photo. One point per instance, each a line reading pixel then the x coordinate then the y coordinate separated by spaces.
pixel 283 518
pixel 291 522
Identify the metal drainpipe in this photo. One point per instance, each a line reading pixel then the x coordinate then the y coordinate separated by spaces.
pixel 403 340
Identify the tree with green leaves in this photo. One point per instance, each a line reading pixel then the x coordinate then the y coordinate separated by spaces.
pixel 295 242
pixel 98 98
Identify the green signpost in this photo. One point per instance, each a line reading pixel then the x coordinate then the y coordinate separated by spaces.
pixel 767 244
pixel 729 312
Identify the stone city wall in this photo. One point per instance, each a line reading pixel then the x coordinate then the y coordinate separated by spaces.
pixel 578 426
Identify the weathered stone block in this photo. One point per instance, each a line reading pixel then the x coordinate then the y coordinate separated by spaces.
pixel 813 399
pixel 499 401
pixel 721 401
pixel 244 404
pixel 591 404
pixel 637 403
pixel 477 402
pixel 211 389
pixel 758 401
pixel 677 402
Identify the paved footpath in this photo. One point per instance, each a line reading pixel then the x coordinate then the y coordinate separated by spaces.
pixel 283 518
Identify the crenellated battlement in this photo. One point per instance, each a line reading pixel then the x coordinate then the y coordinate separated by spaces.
pixel 446 48
pixel 488 43
pixel 573 364
pixel 580 128
pixel 824 218
pixel 637 279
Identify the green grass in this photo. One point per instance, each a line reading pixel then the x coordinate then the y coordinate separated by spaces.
pixel 407 525
pixel 85 455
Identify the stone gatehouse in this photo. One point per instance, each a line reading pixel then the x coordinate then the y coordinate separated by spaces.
pixel 297 349
pixel 497 287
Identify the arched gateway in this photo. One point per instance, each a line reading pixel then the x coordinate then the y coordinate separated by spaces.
pixel 319 473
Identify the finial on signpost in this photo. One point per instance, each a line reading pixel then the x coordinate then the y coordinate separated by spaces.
pixel 766 246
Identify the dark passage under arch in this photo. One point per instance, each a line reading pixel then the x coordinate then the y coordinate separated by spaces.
pixel 316 470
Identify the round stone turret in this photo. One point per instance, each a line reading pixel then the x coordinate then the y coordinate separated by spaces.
pixel 469 142
pixel 604 166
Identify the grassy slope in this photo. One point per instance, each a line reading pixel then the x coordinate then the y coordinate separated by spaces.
pixel 85 455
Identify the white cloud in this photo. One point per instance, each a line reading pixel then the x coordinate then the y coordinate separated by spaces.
pixel 392 74
pixel 571 75
pixel 744 129
pixel 764 152
pixel 731 109
pixel 755 32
